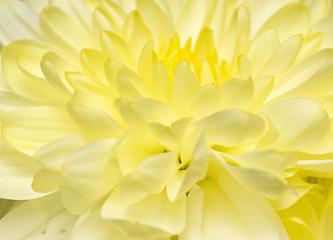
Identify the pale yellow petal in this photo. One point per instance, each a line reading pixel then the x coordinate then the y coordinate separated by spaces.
pixel 204 102
pixel 22 222
pixel 74 202
pixel 171 136
pixel 53 155
pixel 283 58
pixel 61 29
pixel 46 181
pixel 58 227
pixel 242 211
pixel 239 24
pixel 194 161
pixel 53 68
pixel 117 49
pixel 297 229
pixel 260 182
pixel 324 26
pixel 81 82
pixel 147 61
pixel 140 150
pixel 301 123
pixel 32 217
pixel 267 160
pixel 92 62
pixel 89 171
pixel 23 22
pixel 94 122
pixel 220 218
pixel 33 127
pixel 300 73
pixel 194 215
pixel 96 228
pixel 154 216
pixel 132 85
pixel 236 93
pixel 262 49
pixel 262 89
pixel 317 168
pixel 156 20
pixel 136 32
pixel 232 127
pixel 292 19
pixel 161 86
pixel 150 177
pixel 115 14
pixel 153 111
pixel 12 101
pixel 16 174
pixel 21 64
pixel 191 19
pixel 185 84
pixel 325 223
pixel 76 9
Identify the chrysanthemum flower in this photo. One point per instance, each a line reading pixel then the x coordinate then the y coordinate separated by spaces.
pixel 165 120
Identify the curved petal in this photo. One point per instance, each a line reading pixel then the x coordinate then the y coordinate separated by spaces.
pixel 154 216
pixel 185 83
pixel 301 123
pixel 16 174
pixel 156 20
pixel 193 166
pixel 150 177
pixel 89 171
pixel 232 127
pixel 33 127
pixel 96 228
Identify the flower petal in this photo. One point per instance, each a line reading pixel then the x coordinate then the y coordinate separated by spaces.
pixel 301 123
pixel 194 215
pixel 292 19
pixel 317 168
pixel 117 48
pixel 94 122
pixel 150 177
pixel 53 155
pixel 32 217
pixel 96 228
pixel 58 27
pixel 236 93
pixel 267 160
pixel 154 216
pixel 204 102
pixel 142 144
pixel 22 222
pixel 23 22
pixel 231 210
pixel 194 163
pixel 191 19
pixel 161 86
pixel 155 18
pixel 267 42
pixel 31 128
pixel 16 174
pixel 232 127
pixel 283 58
pixel 185 83
pixel 89 171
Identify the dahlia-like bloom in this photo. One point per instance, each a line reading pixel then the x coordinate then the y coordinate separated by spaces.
pixel 166 120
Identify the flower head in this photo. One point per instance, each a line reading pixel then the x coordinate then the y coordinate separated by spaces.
pixel 166 119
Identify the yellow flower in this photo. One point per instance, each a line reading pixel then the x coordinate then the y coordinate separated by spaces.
pixel 165 120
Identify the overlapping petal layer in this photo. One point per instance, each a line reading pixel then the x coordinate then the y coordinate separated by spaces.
pixel 165 120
